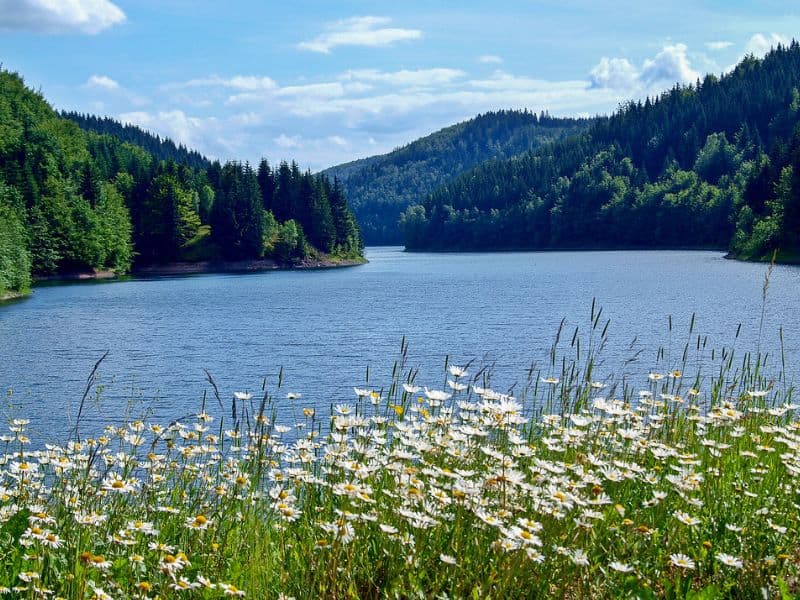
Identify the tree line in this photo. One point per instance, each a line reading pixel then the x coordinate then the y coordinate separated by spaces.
pixel 74 200
pixel 380 188
pixel 715 164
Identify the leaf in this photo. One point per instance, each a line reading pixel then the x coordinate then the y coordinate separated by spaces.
pixel 710 592
pixel 783 587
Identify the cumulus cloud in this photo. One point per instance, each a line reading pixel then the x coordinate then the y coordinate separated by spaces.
pixel 719 45
pixel 59 16
pixel 175 124
pixel 359 31
pixel 669 66
pixel 102 82
pixel 760 44
pixel 333 119
pixel 614 73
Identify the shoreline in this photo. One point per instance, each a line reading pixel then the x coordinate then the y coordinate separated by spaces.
pixel 174 269
pixel 240 266
pixel 11 296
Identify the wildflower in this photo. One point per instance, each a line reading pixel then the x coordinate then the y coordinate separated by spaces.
pixel 730 561
pixel 184 584
pixel 51 540
pixel 620 567
pixel 199 522
pixel 115 483
pixel 447 559
pixel 172 563
pixel 579 557
pixel 411 389
pixel 99 562
pixel 231 590
pixel 437 395
pixel 293 396
pixel 686 519
pixel 245 396
pixel 682 561
pixel 144 527
pixel 550 380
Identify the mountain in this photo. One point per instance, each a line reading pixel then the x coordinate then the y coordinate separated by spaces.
pixel 160 148
pixel 715 164
pixel 74 200
pixel 380 188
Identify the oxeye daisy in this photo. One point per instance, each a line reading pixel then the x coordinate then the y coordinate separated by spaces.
pixel 682 561
pixel 730 560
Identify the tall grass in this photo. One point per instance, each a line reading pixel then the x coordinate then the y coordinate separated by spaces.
pixel 684 483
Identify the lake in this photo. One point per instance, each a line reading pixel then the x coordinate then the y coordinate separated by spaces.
pixel 326 327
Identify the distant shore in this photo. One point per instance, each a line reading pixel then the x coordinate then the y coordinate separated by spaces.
pixel 202 267
pixel 241 266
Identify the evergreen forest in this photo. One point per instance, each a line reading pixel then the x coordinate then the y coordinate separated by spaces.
pixel 380 188
pixel 715 164
pixel 81 193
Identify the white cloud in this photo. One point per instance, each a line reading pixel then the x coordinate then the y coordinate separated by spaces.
pixel 760 44
pixel 102 82
pixel 669 66
pixel 237 82
pixel 59 16
pixel 490 59
pixel 359 31
pixel 719 45
pixel 614 73
pixel 406 78
pixel 333 119
pixel 175 124
pixel 285 141
pixel 313 90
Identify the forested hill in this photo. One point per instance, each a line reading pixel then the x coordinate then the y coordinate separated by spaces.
pixel 715 164
pixel 160 148
pixel 380 188
pixel 74 200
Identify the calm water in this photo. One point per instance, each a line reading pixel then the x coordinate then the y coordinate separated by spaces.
pixel 326 327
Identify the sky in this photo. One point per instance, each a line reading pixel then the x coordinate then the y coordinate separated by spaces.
pixel 325 82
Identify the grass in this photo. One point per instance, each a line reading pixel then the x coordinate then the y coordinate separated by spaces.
pixel 683 484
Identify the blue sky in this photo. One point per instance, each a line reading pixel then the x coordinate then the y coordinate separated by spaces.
pixel 325 82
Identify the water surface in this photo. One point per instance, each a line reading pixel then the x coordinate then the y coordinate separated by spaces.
pixel 326 327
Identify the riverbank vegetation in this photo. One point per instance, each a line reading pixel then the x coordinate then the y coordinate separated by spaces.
pixel 76 201
pixel 681 483
pixel 710 165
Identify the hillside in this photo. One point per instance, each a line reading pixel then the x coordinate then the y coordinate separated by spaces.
pixel 160 148
pixel 716 165
pixel 75 201
pixel 380 188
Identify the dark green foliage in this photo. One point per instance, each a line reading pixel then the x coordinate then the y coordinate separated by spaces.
pixel 316 207
pixel 74 200
pixel 711 165
pixel 237 217
pixel 160 148
pixel 15 261
pixel 380 188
